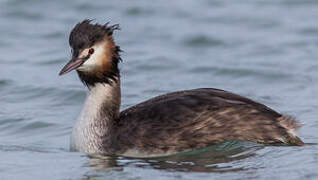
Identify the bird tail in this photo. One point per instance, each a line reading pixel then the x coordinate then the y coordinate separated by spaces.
pixel 291 125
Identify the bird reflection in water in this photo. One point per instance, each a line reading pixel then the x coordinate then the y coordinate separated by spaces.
pixel 216 158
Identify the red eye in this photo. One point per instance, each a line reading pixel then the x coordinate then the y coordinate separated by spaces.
pixel 91 51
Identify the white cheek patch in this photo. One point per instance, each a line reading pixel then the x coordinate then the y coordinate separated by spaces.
pixel 94 60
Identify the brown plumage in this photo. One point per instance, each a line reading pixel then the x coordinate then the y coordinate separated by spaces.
pixel 167 124
pixel 198 118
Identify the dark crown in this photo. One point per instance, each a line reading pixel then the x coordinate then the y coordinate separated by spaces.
pixel 85 34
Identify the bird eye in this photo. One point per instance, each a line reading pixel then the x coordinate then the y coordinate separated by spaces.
pixel 91 51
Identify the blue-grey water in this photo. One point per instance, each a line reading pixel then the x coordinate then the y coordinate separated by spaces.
pixel 263 49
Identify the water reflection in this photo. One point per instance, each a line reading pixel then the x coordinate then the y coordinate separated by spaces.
pixel 217 158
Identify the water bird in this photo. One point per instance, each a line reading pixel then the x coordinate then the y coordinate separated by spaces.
pixel 164 125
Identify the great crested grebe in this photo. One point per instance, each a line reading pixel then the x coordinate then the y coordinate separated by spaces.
pixel 167 124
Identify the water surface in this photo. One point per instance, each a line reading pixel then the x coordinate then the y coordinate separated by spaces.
pixel 265 50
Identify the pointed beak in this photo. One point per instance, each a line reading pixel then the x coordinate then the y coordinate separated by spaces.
pixel 71 65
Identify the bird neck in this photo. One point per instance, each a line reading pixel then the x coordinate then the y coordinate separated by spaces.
pixel 92 131
pixel 103 99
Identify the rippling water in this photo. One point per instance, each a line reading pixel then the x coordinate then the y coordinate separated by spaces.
pixel 266 50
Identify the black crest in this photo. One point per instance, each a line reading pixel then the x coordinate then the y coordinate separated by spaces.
pixel 85 34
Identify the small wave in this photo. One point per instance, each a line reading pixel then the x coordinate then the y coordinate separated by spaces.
pixel 202 41
pixel 36 125
pixel 157 63
pixel 53 96
pixel 19 148
pixel 137 11
pixel 308 31
pixel 33 16
pixel 53 35
pixel 5 123
pixel 21 125
pixel 4 82
pixel 242 72
pixel 56 61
